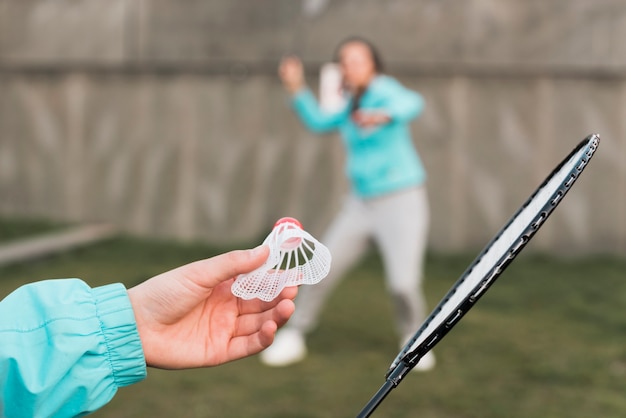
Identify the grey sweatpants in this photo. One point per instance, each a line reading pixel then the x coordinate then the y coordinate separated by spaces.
pixel 398 224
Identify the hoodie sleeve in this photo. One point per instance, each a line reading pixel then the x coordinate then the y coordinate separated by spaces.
pixel 312 116
pixel 66 348
pixel 401 104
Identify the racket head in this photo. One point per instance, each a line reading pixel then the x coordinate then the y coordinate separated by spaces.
pixel 496 256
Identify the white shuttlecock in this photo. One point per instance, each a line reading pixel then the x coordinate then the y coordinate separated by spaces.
pixel 295 258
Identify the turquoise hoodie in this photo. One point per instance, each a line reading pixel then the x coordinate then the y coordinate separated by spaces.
pixel 380 160
pixel 65 348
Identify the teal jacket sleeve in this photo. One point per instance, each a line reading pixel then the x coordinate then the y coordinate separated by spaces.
pixel 399 103
pixel 66 348
pixel 313 117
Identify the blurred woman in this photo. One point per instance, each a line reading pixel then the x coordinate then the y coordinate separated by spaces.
pixel 387 201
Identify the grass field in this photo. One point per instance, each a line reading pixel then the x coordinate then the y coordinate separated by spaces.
pixel 24 228
pixel 548 340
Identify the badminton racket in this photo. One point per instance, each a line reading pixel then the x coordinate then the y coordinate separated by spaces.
pixel 487 267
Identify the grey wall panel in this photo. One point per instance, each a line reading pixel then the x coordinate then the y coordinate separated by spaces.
pixel 167 118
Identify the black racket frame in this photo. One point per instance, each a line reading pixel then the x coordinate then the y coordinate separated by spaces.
pixel 406 360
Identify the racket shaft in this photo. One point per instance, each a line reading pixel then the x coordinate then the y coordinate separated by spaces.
pixel 376 400
pixel 391 382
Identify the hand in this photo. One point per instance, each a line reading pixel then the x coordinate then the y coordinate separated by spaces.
pixel 291 73
pixel 188 317
pixel 370 118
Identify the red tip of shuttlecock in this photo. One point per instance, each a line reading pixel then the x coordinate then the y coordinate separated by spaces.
pixel 288 219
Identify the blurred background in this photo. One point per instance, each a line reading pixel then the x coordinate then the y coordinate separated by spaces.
pixel 166 120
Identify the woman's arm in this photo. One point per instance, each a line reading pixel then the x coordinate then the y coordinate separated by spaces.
pixel 314 118
pixel 400 104
pixel 307 108
pixel 65 348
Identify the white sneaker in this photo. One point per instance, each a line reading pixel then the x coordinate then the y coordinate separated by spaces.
pixel 426 363
pixel 288 348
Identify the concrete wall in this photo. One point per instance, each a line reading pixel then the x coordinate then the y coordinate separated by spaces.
pixel 166 117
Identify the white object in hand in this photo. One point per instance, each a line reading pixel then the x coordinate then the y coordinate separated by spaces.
pixel 295 258
pixel 331 94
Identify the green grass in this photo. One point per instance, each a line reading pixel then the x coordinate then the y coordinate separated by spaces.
pixel 24 227
pixel 546 341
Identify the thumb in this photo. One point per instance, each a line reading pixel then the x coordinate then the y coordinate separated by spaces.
pixel 210 272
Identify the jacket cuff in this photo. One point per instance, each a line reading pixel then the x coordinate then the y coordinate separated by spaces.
pixel 301 95
pixel 119 329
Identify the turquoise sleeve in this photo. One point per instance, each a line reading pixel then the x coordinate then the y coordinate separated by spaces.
pixel 66 348
pixel 402 104
pixel 312 116
pixel 407 106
